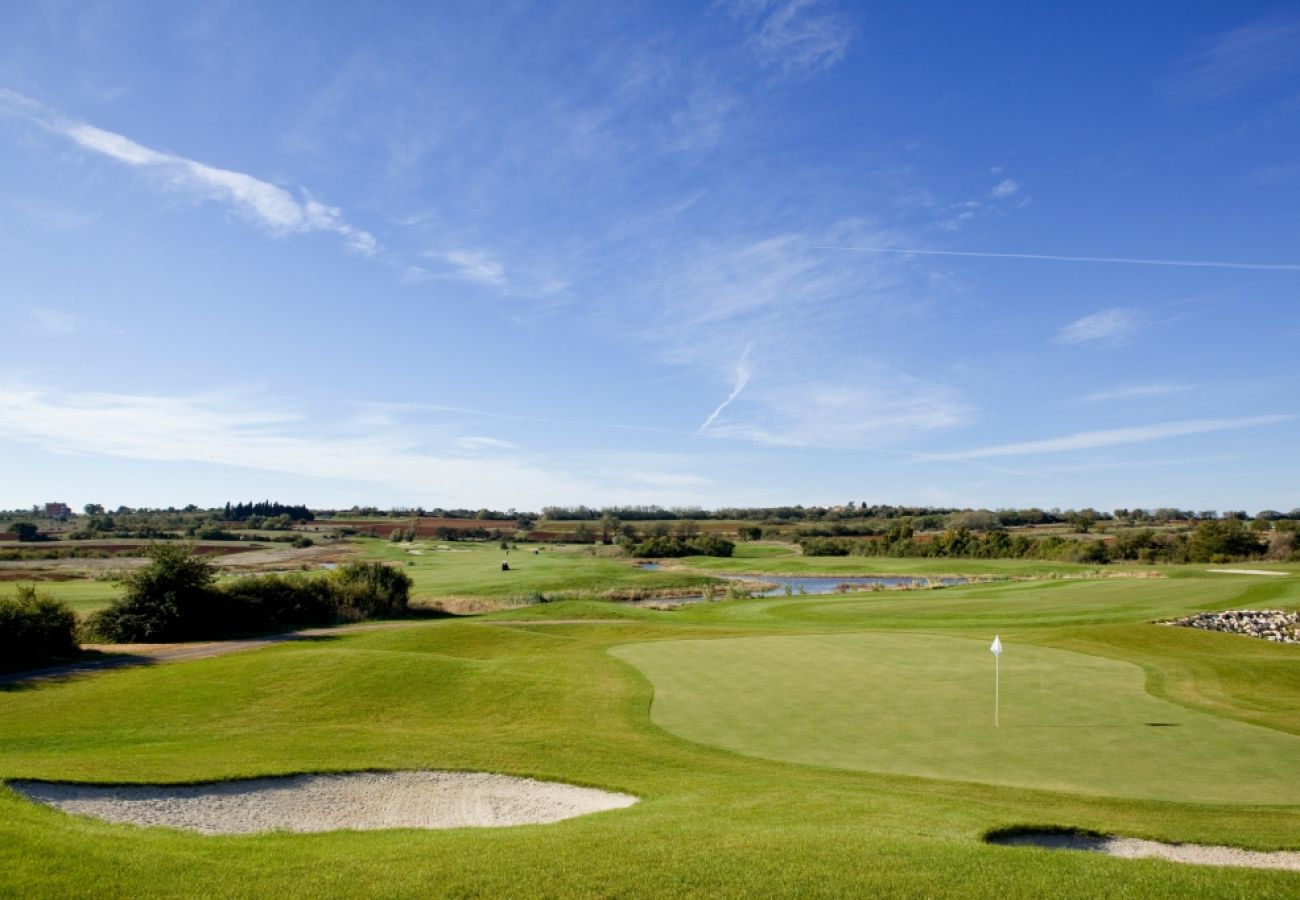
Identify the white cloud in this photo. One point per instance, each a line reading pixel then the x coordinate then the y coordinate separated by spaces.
pixel 1005 188
pixel 1136 392
pixel 1234 60
pixel 847 412
pixel 226 429
pixel 742 379
pixel 476 442
pixel 781 307
pixel 477 266
pixel 261 202
pixel 55 322
pixel 1108 328
pixel 1088 440
pixel 795 35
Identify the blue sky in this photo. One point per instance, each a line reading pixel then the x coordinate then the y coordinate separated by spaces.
pixel 752 252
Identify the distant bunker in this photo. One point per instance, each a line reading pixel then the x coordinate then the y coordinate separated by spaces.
pixel 362 801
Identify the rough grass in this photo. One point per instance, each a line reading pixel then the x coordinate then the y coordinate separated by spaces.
pixel 550 700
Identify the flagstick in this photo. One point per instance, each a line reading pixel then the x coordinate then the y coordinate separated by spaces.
pixel 997 686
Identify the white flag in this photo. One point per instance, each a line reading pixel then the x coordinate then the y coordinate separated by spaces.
pixel 996 649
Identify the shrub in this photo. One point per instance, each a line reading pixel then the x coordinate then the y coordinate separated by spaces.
pixel 302 541
pixel 366 590
pixel 35 629
pixel 663 546
pixel 267 602
pixel 176 598
pixel 169 599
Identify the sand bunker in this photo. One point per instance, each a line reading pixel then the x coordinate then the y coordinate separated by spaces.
pixel 361 801
pixel 1133 848
pixel 1247 572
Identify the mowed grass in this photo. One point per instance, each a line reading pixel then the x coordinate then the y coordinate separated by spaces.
pixel 470 569
pixel 553 700
pixel 923 705
pixel 84 596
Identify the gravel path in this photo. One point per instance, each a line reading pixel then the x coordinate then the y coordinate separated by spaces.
pixel 362 801
pixel 1134 848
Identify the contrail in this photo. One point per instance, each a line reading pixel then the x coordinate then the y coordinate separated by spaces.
pixel 1185 263
pixel 742 379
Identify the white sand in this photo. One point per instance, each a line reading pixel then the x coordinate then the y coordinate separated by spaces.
pixel 360 801
pixel 1247 572
pixel 1134 848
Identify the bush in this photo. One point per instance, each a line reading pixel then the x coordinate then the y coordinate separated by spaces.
pixel 663 546
pixel 269 602
pixel 35 629
pixel 367 590
pixel 176 598
pixel 302 541
pixel 170 599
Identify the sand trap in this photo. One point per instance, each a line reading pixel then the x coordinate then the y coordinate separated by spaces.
pixel 1133 848
pixel 361 801
pixel 1247 572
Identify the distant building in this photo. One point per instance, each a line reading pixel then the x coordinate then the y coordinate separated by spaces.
pixel 57 511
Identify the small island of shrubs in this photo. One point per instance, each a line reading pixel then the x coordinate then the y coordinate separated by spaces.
pixel 177 597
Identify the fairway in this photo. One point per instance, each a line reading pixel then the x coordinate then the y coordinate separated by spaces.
pixel 923 705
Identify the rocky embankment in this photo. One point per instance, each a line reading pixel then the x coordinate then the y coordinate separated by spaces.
pixel 1269 624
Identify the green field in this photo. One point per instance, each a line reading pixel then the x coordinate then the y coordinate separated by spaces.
pixel 787 746
pixel 923 705
pixel 465 569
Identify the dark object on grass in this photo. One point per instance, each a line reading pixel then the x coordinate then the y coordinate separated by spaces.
pixel 505 567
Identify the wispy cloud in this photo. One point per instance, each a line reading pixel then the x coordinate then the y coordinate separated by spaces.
pixel 1235 60
pixel 239 429
pixel 795 35
pixel 742 379
pixel 265 204
pixel 1136 392
pixel 477 266
pixel 848 413
pixel 53 321
pixel 1088 440
pixel 1004 188
pixel 1108 328
pixel 773 302
pixel 1125 260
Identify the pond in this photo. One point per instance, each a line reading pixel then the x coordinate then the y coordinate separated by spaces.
pixel 799 585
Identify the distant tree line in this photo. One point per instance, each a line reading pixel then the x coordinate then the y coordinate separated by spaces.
pixel 266 509
pixel 1212 540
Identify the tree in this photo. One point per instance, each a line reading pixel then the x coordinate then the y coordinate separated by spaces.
pixel 26 531
pixel 169 599
pixel 93 509
pixel 609 526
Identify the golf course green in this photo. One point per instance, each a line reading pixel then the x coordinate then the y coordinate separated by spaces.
pixel 924 705
pixel 791 746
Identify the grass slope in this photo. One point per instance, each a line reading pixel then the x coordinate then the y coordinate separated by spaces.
pixel 548 699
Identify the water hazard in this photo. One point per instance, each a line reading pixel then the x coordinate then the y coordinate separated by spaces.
pixel 799 585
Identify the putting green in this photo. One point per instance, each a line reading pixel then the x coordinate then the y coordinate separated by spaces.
pixel 923 705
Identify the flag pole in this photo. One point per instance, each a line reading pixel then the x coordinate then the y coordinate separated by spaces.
pixel 996 649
